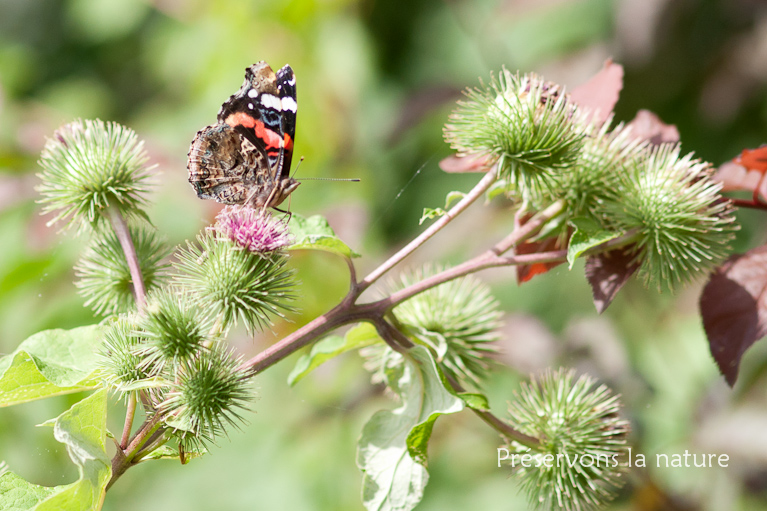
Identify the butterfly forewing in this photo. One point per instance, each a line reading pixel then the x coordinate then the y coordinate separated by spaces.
pixel 286 85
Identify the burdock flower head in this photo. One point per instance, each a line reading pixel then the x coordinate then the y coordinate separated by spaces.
pixel 208 395
pixel 235 282
pixel 254 230
pixel 90 166
pixel 683 224
pixel 527 126
pixel 579 462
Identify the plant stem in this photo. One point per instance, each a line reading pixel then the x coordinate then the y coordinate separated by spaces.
pixel 374 312
pixel 349 312
pixel 476 192
pixel 490 260
pixel 342 314
pixel 122 232
pixel 528 229
pixel 494 422
pixel 506 430
pixel 129 415
pixel 159 438
pixel 750 204
pixel 124 458
pixel 120 227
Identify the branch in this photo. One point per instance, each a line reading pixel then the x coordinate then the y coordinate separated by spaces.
pixel 126 242
pixel 506 430
pixel 750 204
pixel 476 192
pixel 528 229
pixel 343 314
pixel 122 232
pixel 124 458
pixel 347 312
pixel 129 415
pixel 491 260
pixel 494 422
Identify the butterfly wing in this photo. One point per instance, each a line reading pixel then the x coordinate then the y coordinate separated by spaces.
pixel 245 158
pixel 255 112
pixel 286 85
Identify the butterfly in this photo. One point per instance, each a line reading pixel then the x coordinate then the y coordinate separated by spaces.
pixel 245 157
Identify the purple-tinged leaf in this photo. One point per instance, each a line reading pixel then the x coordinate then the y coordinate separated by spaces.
pixel 607 273
pixel 470 163
pixel 734 310
pixel 648 126
pixel 600 93
pixel 745 172
pixel 525 272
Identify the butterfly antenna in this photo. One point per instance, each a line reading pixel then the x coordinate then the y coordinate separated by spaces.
pixel 354 179
pixel 351 179
pixel 295 171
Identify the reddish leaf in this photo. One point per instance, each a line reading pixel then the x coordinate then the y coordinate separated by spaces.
pixel 607 273
pixel 734 309
pixel 601 92
pixel 526 272
pixel 648 126
pixel 753 159
pixel 745 172
pixel 470 163
pixel 735 177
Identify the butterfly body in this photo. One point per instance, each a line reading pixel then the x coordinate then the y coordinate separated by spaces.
pixel 245 157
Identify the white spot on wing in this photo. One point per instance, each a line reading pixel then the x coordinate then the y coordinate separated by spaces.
pixel 270 101
pixel 289 104
pixel 250 105
pixel 252 93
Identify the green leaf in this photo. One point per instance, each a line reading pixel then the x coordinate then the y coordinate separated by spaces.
pixel 429 214
pixel 82 430
pixel 499 187
pixel 166 452
pixel 51 363
pixel 588 234
pixel 392 449
pixel 475 401
pixel 17 494
pixel 360 336
pixel 314 233
pixel 452 197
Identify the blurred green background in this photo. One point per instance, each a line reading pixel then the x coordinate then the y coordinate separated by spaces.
pixel 376 81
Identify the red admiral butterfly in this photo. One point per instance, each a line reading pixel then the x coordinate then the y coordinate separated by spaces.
pixel 245 157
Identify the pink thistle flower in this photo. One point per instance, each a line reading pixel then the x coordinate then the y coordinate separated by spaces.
pixel 253 229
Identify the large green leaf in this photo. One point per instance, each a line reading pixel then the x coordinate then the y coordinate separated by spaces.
pixel 360 336
pixel 82 429
pixel 50 363
pixel 314 233
pixel 17 494
pixel 392 450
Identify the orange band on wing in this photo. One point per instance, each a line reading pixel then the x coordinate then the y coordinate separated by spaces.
pixel 241 119
pixel 271 138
